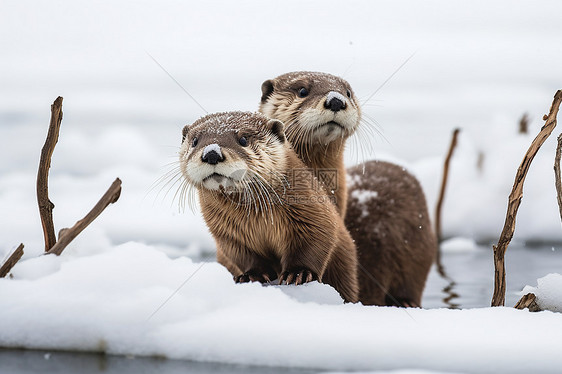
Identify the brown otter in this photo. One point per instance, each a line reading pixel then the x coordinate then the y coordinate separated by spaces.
pixel 267 222
pixel 387 213
pixel 320 112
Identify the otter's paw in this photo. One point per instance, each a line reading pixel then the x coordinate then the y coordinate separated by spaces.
pixel 252 276
pixel 297 276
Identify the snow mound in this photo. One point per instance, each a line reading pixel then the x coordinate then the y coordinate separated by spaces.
pixel 132 299
pixel 548 292
pixel 459 245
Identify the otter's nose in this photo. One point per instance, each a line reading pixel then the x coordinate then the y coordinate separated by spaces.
pixel 334 101
pixel 212 154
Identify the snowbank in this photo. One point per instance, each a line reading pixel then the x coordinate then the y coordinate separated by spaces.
pixel 134 300
pixel 458 245
pixel 548 292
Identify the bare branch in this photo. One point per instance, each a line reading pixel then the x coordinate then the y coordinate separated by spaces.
pixel 11 261
pixel 444 186
pixel 557 180
pixel 498 298
pixel 524 124
pixel 45 205
pixel 67 235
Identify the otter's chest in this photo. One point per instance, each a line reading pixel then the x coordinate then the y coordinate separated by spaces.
pixel 265 232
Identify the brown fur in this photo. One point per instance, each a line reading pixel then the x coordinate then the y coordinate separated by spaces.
pixel 388 219
pixel 280 100
pixel 394 253
pixel 293 234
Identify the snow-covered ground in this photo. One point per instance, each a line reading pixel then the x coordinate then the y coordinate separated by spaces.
pixel 133 300
pixel 478 66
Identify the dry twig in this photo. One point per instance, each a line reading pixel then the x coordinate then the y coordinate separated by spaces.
pixel 11 261
pixel 524 124
pixel 498 298
pixel 67 235
pixel 528 301
pixel 45 205
pixel 557 180
pixel 444 186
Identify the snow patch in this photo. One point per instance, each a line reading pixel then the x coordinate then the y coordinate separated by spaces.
pixel 212 147
pixel 459 245
pixel 548 292
pixel 363 196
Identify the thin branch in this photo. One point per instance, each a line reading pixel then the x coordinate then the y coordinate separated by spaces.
pixel 45 205
pixel 524 124
pixel 498 298
pixel 67 235
pixel 444 186
pixel 557 180
pixel 11 261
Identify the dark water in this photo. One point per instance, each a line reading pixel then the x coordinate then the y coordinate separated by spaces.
pixel 27 362
pixel 472 275
pixel 471 271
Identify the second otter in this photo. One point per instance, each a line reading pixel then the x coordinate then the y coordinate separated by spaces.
pixel 386 209
pixel 267 222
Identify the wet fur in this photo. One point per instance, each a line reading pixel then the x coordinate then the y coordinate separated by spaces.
pixel 265 237
pixel 394 254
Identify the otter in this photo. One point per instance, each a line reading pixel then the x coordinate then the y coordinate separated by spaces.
pixel 267 213
pixel 384 208
pixel 320 112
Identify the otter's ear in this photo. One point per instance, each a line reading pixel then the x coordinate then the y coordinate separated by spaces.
pixel 184 133
pixel 266 90
pixel 277 128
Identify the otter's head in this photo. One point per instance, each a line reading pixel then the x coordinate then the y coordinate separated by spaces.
pixel 317 108
pixel 228 151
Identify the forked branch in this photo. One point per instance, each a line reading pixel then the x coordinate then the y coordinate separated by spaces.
pixel 67 235
pixel 498 298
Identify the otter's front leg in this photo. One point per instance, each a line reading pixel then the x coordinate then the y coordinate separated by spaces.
pixel 303 262
pixel 244 264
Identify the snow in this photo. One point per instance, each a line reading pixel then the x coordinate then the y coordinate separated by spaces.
pixel 131 299
pixel 337 95
pixel 477 66
pixel 212 147
pixel 458 244
pixel 548 292
pixel 364 196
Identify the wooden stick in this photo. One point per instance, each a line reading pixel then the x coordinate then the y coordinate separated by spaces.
pixel 443 188
pixel 524 124
pixel 11 261
pixel 528 301
pixel 45 205
pixel 498 298
pixel 67 235
pixel 557 180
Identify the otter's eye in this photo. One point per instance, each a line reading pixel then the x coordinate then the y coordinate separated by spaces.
pixel 349 94
pixel 243 141
pixel 194 142
pixel 302 92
